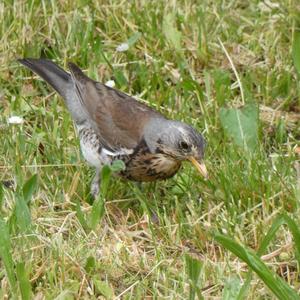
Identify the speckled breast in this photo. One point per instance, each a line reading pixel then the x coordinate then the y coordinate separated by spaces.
pixel 150 167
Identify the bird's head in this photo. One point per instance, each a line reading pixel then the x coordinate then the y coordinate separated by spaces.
pixel 178 140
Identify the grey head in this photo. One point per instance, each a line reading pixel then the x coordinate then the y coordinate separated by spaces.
pixel 177 140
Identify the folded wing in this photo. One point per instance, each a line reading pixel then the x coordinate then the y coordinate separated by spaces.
pixel 118 119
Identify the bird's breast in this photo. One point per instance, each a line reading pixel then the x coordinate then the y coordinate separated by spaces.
pixel 150 167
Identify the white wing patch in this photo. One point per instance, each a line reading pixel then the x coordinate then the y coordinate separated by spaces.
pixel 123 151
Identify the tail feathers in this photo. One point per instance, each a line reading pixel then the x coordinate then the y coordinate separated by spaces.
pixel 50 72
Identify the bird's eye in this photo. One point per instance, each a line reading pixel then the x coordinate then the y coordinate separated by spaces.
pixel 184 146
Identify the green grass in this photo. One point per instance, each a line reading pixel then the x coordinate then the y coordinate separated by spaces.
pixel 185 238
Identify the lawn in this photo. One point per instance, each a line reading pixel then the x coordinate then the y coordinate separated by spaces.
pixel 229 68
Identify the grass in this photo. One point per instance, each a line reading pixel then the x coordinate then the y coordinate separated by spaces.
pixel 178 239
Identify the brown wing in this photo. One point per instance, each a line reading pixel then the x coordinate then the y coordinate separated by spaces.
pixel 118 118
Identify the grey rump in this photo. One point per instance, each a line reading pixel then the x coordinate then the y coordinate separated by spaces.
pixel 112 125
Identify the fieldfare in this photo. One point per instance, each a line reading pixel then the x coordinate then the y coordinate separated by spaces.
pixel 114 126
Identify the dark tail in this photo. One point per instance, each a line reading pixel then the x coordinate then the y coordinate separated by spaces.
pixel 49 71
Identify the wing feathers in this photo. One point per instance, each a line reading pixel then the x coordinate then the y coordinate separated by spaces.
pixel 118 119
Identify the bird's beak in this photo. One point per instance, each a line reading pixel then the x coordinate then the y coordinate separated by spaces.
pixel 200 166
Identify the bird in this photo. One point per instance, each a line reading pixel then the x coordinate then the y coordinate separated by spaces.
pixel 112 125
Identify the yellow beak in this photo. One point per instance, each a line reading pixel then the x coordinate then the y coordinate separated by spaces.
pixel 199 166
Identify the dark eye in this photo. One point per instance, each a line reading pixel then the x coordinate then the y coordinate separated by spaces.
pixel 184 146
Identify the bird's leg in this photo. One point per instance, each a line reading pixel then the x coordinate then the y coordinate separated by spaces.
pixel 95 185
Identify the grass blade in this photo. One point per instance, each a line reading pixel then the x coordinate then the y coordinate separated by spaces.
pixel 296 51
pixel 81 218
pixel 231 288
pixel 1 196
pixel 29 188
pixel 103 288
pixel 23 280
pixel 280 288
pixel 294 228
pixel 23 217
pixel 90 264
pixel 193 269
pixel 97 212
pixel 270 235
pixel 280 220
pixel 5 254
pixel 241 124
pixel 172 34
pixel 105 178
pixel 263 247
pixel 133 39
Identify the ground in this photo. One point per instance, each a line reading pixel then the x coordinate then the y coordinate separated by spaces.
pixel 229 68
